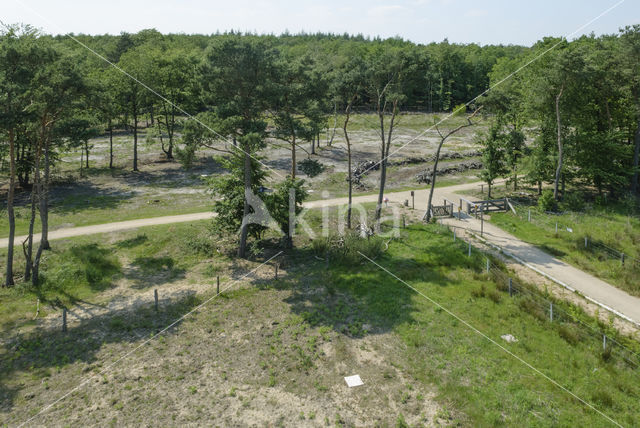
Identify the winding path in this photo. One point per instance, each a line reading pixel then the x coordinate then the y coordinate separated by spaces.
pixel 594 289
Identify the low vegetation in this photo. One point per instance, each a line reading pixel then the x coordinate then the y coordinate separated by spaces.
pixel 256 350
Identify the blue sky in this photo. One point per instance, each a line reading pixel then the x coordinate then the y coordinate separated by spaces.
pixel 422 21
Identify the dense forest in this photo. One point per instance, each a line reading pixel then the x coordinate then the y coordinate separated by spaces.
pixel 560 111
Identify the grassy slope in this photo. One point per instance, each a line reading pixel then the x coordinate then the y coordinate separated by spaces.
pixel 354 300
pixel 608 227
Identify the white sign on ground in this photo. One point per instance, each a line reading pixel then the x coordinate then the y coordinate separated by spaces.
pixel 353 381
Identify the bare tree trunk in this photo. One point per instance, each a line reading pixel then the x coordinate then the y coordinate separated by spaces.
pixel 349 168
pixel 44 197
pixel 560 147
pixel 293 155
pixel 86 150
pixel 28 250
pixel 135 141
pixel 242 247
pixel 313 145
pixel 443 138
pixel 110 144
pixel 489 192
pixel 433 179
pixel 12 218
pixel 386 145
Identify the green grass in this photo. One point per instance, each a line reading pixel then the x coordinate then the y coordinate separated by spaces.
pixel 476 383
pixel 81 268
pixel 489 386
pixel 610 226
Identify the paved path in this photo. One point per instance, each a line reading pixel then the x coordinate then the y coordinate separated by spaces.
pixel 591 287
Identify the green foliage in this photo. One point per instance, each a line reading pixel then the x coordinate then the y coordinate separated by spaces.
pixel 574 201
pixel 546 202
pixel 279 203
pixel 229 193
pixel 347 249
pixel 311 167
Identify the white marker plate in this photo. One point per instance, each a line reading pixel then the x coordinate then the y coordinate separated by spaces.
pixel 353 381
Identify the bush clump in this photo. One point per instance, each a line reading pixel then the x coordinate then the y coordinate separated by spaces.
pixel 311 167
pixel 347 249
pixel 547 202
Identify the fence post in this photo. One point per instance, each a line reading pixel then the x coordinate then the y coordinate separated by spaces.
pixel 556 227
pixel 469 248
pixel 482 221
pixel 551 311
pixel 454 234
pixel 487 266
pixel 510 287
pixel 529 217
pixel 218 284
pixel 413 200
pixel 482 189
pixel 604 342
pixel 585 241
pixel 622 258
pixel 64 320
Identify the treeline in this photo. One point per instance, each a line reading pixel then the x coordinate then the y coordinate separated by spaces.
pixel 578 101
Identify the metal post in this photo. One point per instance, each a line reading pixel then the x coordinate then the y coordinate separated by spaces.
pixel 529 217
pixel 551 311
pixel 155 298
pixel 487 266
pixel 585 241
pixel 510 287
pixel 218 285
pixel 604 342
pixel 469 249
pixel 482 221
pixel 413 200
pixel 556 227
pixel 454 234
pixel 64 319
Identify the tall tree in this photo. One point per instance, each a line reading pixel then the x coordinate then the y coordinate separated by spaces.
pixel 631 67
pixel 18 59
pixel 236 75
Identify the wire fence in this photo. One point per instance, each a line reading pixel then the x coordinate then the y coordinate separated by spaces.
pixel 571 325
pixel 547 222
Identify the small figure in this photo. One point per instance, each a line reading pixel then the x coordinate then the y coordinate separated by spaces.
pixel 386 201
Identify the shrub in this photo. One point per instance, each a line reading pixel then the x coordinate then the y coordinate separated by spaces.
pixel 546 202
pixel 347 249
pixel 311 167
pixel 574 201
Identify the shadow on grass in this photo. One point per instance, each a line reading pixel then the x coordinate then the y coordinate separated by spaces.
pixel 39 354
pixel 357 298
pixel 150 271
